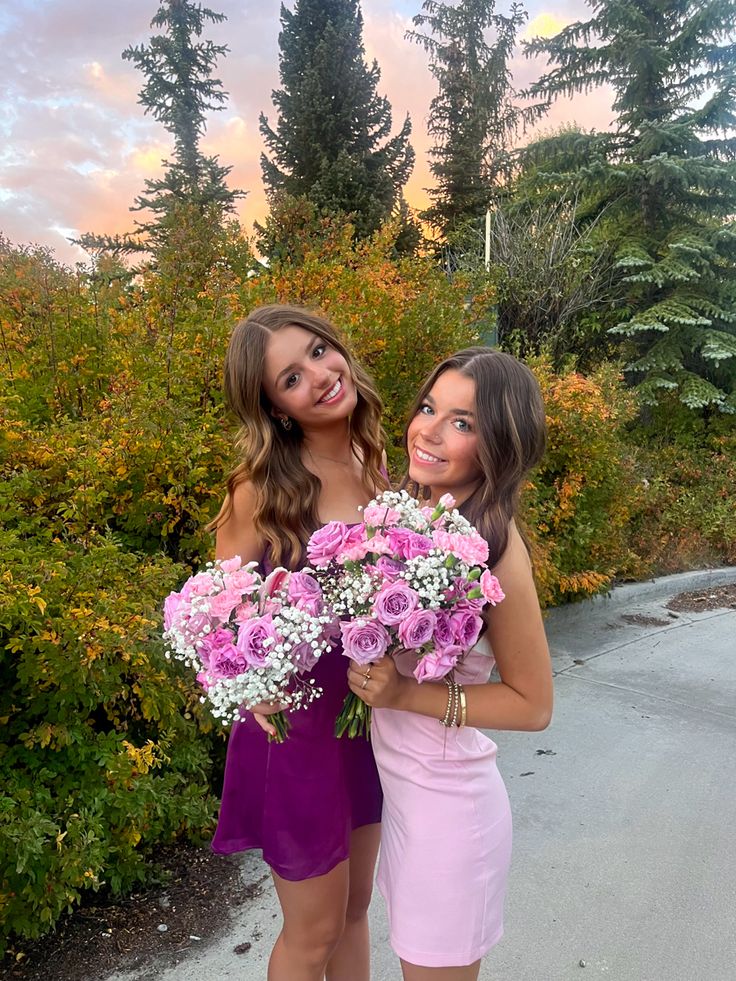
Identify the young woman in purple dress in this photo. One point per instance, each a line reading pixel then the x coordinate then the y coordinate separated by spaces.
pixel 477 428
pixel 311 450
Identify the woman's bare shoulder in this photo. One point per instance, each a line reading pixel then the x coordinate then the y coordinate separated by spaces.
pixel 236 533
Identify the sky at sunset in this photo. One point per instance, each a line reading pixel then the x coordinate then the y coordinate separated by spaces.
pixel 75 146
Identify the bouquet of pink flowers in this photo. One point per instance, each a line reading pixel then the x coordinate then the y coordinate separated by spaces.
pixel 410 577
pixel 249 639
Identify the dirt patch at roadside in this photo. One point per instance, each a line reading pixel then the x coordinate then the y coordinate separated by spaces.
pixel 195 891
pixel 701 600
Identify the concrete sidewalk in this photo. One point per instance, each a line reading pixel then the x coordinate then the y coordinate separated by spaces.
pixel 624 810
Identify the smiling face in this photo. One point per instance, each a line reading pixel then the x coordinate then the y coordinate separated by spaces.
pixel 442 439
pixel 307 379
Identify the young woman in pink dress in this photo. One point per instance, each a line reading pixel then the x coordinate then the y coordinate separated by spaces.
pixel 476 429
pixel 311 449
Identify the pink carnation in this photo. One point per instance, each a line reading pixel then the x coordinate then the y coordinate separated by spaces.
pixel 243 580
pixel 491 587
pixel 378 515
pixel 364 640
pixel 200 585
pixel 231 565
pixel 222 604
pixel 447 501
pixel 471 548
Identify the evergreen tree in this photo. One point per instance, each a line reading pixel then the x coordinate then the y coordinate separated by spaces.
pixel 332 142
pixel 178 92
pixel 472 117
pixel 666 176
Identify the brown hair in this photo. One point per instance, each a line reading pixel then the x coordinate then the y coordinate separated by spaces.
pixel 511 428
pixel 287 494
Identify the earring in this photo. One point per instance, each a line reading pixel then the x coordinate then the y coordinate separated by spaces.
pixel 285 422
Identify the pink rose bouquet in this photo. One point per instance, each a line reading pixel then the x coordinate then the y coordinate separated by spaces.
pixel 410 577
pixel 249 639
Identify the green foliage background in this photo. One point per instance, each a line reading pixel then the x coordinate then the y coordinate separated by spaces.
pixel 114 445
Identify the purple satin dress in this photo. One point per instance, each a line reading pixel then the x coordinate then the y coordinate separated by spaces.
pixel 300 800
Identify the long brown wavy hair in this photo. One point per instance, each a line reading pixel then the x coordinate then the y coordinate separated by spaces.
pixel 512 434
pixel 287 494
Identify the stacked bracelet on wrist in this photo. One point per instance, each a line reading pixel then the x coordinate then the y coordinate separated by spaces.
pixel 457 710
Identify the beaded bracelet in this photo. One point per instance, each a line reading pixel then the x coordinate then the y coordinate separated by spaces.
pixel 456 711
pixel 448 719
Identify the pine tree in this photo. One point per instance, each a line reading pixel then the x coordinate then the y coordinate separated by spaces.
pixel 472 116
pixel 332 142
pixel 667 177
pixel 179 90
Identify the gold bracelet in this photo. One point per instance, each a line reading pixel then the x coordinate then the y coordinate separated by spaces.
pixel 463 706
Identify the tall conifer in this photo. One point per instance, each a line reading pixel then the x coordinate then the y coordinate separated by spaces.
pixel 332 141
pixel 667 176
pixel 472 117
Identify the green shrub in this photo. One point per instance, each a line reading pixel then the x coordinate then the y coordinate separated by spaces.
pixel 104 753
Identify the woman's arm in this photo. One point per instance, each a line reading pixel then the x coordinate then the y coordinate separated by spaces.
pixel 522 699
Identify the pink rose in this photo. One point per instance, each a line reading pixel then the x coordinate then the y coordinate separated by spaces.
pixel 379 515
pixel 436 664
pixel 326 542
pixel 305 593
pixel 393 602
pixel 219 655
pixel 389 568
pixel 172 604
pixel 256 638
pixel 491 587
pixel 408 544
pixel 466 627
pixel 364 640
pixel 245 611
pixel 416 630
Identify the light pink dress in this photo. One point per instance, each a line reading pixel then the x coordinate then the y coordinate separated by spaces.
pixel 446 832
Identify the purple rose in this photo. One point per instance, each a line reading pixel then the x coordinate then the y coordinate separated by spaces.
pixel 444 635
pixel 219 656
pixel 392 603
pixel 417 629
pixel 253 636
pixel 326 542
pixel 408 544
pixel 389 568
pixel 304 656
pixel 466 626
pixel 305 593
pixel 364 640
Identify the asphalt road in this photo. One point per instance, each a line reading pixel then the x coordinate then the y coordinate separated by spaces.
pixel 624 810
